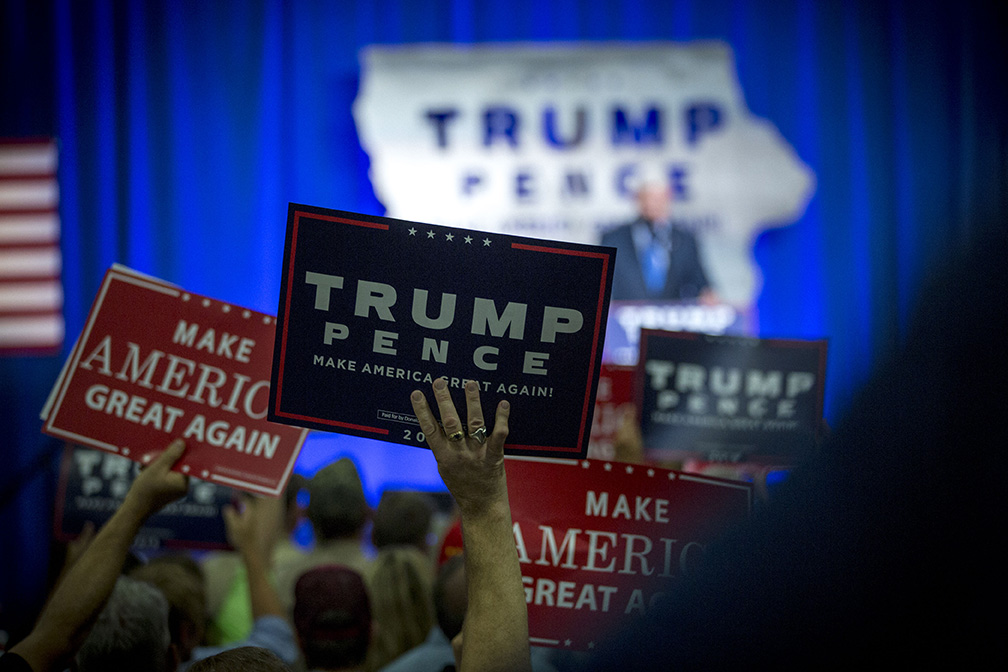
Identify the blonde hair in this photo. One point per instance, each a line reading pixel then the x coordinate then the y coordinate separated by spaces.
pixel 402 602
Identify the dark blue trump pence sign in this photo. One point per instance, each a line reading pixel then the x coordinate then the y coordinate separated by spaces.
pixel 372 308
pixel 729 398
pixel 94 483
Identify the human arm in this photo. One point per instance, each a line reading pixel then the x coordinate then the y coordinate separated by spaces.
pixel 252 531
pixel 496 624
pixel 81 595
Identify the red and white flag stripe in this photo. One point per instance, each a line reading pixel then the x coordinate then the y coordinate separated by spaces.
pixel 31 292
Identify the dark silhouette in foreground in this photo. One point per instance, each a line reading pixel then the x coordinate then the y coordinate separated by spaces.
pixel 880 549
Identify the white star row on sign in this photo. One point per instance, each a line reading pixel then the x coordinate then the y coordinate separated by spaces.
pixel 225 308
pixel 449 237
pixel 629 469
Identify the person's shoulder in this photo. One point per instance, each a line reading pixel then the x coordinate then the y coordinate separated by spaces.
pixel 286 552
pixel 334 552
pixel 348 552
pixel 287 570
pixel 426 656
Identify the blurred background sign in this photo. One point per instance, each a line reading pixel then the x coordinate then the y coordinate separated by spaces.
pixel 553 140
pixel 93 484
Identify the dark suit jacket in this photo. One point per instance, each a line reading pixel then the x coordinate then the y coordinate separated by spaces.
pixel 684 281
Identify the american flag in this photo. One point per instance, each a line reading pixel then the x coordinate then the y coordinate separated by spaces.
pixel 31 292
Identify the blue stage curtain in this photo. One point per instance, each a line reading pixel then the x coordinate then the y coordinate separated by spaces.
pixel 186 127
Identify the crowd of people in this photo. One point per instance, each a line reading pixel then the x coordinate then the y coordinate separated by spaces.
pixel 878 551
pixel 272 605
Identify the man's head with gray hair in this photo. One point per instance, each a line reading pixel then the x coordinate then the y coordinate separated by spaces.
pixel 131 633
pixel 337 507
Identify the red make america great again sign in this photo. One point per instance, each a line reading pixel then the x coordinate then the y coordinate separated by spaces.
pixel 598 541
pixel 155 363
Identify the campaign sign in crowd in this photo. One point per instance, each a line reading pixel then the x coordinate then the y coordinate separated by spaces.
pixel 192 368
pixel 93 484
pixel 727 398
pixel 372 308
pixel 615 394
pixel 598 542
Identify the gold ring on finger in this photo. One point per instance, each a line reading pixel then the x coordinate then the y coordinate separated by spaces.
pixel 456 436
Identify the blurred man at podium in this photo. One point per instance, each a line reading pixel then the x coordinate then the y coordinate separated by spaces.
pixel 655 259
